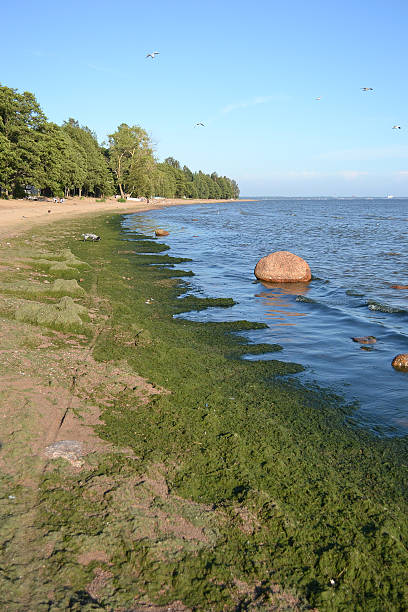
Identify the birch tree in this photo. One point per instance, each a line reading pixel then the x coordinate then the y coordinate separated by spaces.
pixel 128 147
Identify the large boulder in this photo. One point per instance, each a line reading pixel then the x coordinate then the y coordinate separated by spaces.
pixel 282 267
pixel 400 362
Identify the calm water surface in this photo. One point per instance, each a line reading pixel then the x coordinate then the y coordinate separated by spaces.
pixel 356 250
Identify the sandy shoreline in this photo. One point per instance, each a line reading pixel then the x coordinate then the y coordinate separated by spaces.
pixel 17 216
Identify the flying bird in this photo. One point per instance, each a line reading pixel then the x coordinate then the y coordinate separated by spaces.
pixel 153 54
pixel 396 127
pixel 367 88
pixel 199 123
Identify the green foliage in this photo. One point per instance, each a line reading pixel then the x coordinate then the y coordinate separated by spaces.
pixel 67 160
pixel 21 125
pixel 98 179
pixel 172 181
pixel 131 160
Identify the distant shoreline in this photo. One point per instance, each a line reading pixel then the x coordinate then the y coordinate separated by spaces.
pixel 353 198
pixel 17 216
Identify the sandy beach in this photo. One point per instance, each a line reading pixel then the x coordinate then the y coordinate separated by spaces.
pixel 17 216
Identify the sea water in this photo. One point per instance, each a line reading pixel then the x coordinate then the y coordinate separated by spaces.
pixel 356 249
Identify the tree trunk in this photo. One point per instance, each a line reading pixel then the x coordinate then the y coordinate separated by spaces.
pixel 122 195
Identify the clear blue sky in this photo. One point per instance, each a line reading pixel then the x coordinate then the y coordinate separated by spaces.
pixel 250 70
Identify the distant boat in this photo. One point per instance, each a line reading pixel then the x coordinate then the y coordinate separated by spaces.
pixel 389 197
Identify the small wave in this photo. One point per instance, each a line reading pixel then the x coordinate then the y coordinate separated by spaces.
pixel 376 306
pixel 325 281
pixel 353 293
pixel 303 298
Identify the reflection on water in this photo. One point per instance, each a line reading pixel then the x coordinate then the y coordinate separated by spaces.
pixel 288 288
pixel 277 304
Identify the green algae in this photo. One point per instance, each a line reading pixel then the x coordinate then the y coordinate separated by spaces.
pixel 66 315
pixel 63 264
pixel 194 303
pixel 148 246
pixel 161 260
pixel 64 255
pixel 59 288
pixel 285 492
pixel 242 436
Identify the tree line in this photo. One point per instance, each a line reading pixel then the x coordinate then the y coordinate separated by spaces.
pixel 67 160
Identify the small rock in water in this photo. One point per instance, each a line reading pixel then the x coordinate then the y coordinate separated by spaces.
pixel 400 362
pixel 161 232
pixel 71 450
pixel 399 286
pixel 365 339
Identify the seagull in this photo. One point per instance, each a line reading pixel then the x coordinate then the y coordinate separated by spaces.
pixel 396 127
pixel 152 55
pixel 92 237
pixel 367 88
pixel 199 123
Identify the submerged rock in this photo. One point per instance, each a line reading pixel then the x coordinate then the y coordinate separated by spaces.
pixel 282 267
pixel 400 362
pixel 365 339
pixel 399 286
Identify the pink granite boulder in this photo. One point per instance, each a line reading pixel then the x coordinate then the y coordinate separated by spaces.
pixel 282 267
pixel 400 362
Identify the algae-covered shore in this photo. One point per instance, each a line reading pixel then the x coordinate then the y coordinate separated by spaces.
pixel 199 481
